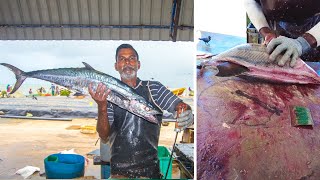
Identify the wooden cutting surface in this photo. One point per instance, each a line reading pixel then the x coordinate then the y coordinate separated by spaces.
pixel 244 129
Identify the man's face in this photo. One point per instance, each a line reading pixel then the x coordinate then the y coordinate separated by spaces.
pixel 127 63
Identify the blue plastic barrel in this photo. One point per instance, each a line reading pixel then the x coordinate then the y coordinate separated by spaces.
pixel 64 166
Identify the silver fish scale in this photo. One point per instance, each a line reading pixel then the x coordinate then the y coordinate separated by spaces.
pixel 79 79
pixel 252 53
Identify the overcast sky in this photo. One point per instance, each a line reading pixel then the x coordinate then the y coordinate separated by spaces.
pixel 224 17
pixel 171 63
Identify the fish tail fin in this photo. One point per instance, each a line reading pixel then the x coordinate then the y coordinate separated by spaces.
pixel 20 76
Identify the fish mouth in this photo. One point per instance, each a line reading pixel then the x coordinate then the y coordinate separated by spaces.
pixel 150 116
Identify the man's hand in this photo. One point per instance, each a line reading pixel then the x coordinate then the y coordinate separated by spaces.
pixel 184 116
pixel 268 34
pixel 185 119
pixel 268 37
pixel 291 49
pixel 100 95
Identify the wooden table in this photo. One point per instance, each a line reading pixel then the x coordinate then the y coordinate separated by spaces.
pixel 252 138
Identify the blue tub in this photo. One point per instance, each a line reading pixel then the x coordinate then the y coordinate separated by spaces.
pixel 64 166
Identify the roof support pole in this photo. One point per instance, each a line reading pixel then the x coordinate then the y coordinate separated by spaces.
pixel 175 19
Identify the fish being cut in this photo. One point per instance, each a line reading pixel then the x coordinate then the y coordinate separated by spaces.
pixel 256 63
pixel 79 79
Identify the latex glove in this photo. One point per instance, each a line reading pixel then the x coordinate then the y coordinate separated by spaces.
pixel 185 119
pixel 292 49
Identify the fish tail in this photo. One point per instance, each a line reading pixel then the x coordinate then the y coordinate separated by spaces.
pixel 20 76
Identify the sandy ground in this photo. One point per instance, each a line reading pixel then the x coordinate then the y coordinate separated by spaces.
pixel 28 142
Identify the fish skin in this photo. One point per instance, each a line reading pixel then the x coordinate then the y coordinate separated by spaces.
pixel 256 59
pixel 79 79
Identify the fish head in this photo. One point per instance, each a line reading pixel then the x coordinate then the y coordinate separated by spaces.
pixel 209 68
pixel 144 110
pixel 145 107
pixel 152 119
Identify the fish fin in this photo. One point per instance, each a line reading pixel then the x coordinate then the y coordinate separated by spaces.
pixel 87 66
pixel 19 76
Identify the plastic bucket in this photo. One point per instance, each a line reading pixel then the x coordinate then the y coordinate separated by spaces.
pixel 164 159
pixel 64 166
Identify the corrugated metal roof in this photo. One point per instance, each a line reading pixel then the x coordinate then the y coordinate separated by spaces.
pixel 94 20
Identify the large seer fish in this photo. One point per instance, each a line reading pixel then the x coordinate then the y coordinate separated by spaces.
pixel 253 60
pixel 79 79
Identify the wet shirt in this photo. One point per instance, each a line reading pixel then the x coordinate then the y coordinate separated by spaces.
pixel 133 140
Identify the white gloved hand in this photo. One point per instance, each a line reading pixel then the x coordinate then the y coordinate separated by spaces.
pixel 185 119
pixel 292 49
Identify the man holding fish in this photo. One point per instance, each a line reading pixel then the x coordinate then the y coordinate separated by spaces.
pixel 132 139
pixel 291 29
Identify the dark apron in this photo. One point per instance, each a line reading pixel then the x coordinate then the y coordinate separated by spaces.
pixel 292 18
pixel 134 142
pixel 289 10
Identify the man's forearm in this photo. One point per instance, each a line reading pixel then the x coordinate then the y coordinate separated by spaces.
pixel 103 126
pixel 315 32
pixel 255 14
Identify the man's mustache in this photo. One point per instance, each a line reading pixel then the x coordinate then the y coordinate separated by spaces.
pixel 127 68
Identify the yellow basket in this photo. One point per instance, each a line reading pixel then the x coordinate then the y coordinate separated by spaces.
pixel 88 129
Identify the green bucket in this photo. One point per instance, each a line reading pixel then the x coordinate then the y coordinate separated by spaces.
pixel 52 158
pixel 164 159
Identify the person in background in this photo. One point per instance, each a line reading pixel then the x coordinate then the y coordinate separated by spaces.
pixel 8 88
pixel 133 140
pixel 291 29
pixel 53 88
pixel 30 91
pixel 40 90
pixel 57 90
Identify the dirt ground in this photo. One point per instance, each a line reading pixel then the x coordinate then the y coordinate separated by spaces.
pixel 28 142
